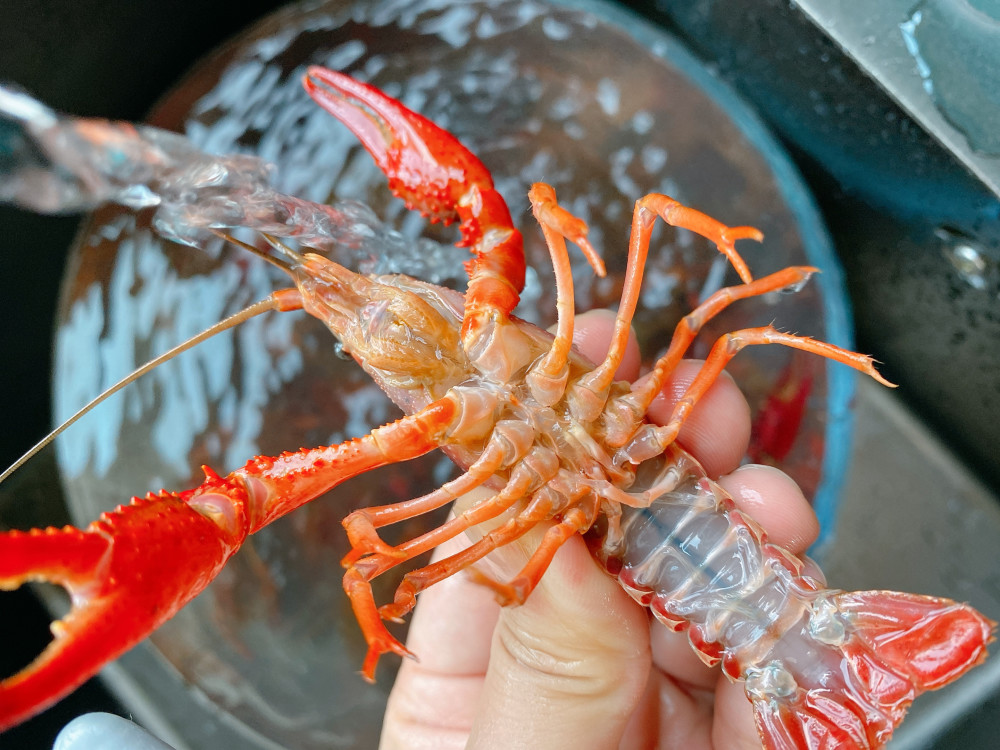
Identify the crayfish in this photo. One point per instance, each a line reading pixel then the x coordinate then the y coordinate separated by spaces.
pixel 553 437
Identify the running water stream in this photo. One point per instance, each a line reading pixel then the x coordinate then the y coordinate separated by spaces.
pixel 52 163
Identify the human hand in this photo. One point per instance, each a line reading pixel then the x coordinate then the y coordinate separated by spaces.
pixel 580 664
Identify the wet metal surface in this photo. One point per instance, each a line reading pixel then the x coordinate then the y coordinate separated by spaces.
pixel 913 518
pixel 877 42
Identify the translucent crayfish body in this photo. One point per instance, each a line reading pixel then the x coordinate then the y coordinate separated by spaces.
pixel 552 436
pixel 822 668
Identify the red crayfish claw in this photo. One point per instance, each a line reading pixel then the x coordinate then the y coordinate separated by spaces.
pixel 126 574
pixel 426 166
pixel 435 174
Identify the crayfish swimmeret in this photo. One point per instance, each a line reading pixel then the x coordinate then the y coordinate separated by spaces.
pixel 552 436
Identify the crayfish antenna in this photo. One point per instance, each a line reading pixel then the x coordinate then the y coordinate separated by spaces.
pixel 285 250
pixel 272 302
pixel 274 242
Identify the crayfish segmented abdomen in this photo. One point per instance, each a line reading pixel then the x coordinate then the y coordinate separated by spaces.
pixel 817 663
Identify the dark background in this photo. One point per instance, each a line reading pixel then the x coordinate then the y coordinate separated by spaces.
pixel 884 188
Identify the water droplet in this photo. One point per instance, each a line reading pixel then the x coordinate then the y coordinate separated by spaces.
pixel 797 286
pixel 654 159
pixel 973 262
pixel 969 263
pixel 555 30
pixel 643 122
pixel 340 351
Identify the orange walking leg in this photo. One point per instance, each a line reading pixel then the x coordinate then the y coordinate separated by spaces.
pixel 625 413
pixel 547 379
pixel 370 617
pixel 416 581
pixel 359 575
pixel 592 389
pixel 645 390
pixel 726 347
pixel 576 520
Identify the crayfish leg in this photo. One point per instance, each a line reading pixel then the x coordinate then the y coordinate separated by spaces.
pixel 727 346
pixel 357 581
pixel 358 587
pixel 481 513
pixel 537 467
pixel 380 641
pixel 592 389
pixel 370 617
pixel 543 505
pixel 362 524
pixel 547 378
pixel 417 580
pixel 376 564
pixel 575 521
pixel 724 237
pixel 648 388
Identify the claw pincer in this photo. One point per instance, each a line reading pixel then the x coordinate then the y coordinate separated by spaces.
pixel 435 174
pixel 135 567
pixel 127 573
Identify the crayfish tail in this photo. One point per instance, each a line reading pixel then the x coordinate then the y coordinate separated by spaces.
pixel 887 648
pixel 926 640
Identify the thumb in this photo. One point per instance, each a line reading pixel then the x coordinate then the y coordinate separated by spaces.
pixel 569 666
